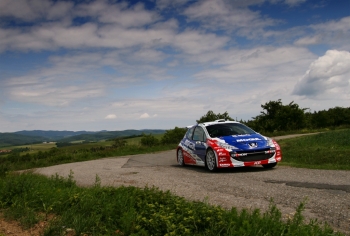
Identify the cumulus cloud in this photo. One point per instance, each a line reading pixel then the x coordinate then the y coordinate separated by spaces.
pixel 111 117
pixel 328 75
pixel 29 10
pixel 144 116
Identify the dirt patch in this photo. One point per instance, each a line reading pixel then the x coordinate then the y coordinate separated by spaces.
pixel 14 228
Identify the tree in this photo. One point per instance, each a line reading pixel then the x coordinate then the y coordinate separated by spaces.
pixel 211 116
pixel 173 136
pixel 277 116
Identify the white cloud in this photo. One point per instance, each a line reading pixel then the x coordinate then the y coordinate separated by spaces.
pixel 328 76
pixel 26 10
pixel 221 14
pixel 308 41
pixel 335 33
pixel 111 117
pixel 119 14
pixel 261 64
pixel 193 42
pixel 144 116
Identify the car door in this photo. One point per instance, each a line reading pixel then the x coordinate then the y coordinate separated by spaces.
pixel 199 140
pixel 189 155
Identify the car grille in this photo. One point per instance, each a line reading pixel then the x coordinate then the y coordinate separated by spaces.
pixel 253 155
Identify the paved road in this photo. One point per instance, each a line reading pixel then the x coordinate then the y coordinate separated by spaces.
pixel 326 192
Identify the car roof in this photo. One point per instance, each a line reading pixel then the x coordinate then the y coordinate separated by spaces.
pixel 221 121
pixel 215 122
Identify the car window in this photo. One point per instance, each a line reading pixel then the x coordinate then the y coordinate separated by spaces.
pixel 199 134
pixel 189 133
pixel 219 130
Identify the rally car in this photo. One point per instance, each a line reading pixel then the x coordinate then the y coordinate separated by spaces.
pixel 223 144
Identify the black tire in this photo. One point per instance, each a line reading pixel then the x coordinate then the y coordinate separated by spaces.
pixel 210 160
pixel 180 157
pixel 270 165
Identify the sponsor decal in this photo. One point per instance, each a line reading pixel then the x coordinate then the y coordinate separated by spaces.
pixel 224 165
pixel 189 145
pixel 257 162
pixel 253 145
pixel 221 154
pixel 222 159
pixel 248 139
pixel 220 150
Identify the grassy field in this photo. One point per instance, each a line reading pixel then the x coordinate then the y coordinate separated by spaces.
pixel 34 148
pixel 328 150
pixel 98 210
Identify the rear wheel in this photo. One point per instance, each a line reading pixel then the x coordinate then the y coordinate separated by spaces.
pixel 210 160
pixel 270 165
pixel 180 157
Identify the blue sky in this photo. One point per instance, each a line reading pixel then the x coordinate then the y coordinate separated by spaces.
pixel 157 64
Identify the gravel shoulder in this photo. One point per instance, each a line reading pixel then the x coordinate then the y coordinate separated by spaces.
pixel 326 192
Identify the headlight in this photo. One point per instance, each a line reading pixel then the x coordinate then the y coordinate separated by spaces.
pixel 226 146
pixel 270 143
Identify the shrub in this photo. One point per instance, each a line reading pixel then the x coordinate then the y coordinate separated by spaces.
pixel 118 142
pixel 173 136
pixel 149 140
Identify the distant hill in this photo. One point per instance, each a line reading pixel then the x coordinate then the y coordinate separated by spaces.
pixel 104 135
pixel 39 136
pixel 13 139
pixel 51 135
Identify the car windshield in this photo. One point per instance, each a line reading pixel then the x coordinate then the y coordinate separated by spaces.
pixel 227 129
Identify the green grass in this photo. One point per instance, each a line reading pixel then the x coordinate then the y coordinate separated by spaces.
pixel 328 150
pixel 97 210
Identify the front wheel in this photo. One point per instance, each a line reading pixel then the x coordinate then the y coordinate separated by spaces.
pixel 210 160
pixel 180 157
pixel 270 165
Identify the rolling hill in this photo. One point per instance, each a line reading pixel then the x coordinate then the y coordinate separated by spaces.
pixel 38 136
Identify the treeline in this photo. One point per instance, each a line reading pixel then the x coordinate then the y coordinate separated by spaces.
pixel 277 117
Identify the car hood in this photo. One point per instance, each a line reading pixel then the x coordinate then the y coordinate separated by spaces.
pixel 246 141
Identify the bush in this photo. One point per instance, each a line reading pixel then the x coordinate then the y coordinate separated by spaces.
pixel 118 142
pixel 173 136
pixel 149 140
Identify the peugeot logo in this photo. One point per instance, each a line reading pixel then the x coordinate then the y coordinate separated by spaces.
pixel 253 145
